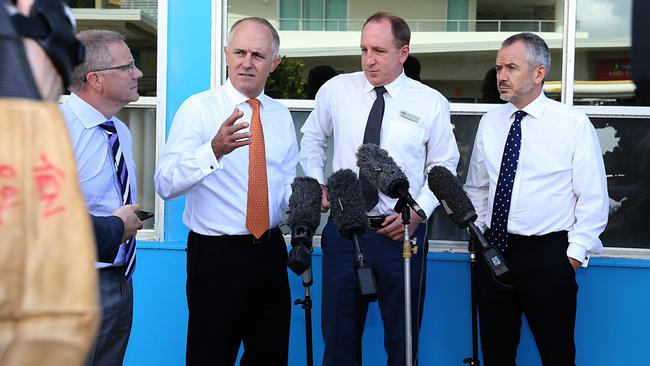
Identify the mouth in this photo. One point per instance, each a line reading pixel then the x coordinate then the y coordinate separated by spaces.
pixel 246 75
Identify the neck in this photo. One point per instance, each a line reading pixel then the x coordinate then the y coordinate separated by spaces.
pixel 524 102
pixel 106 107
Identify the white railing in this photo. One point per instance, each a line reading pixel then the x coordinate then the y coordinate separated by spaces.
pixel 149 7
pixel 425 25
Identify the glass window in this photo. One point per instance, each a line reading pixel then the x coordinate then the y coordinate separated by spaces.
pixel 456 41
pixel 602 59
pixel 137 20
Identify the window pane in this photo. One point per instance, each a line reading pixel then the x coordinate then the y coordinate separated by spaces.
pixel 603 65
pixel 142 123
pixel 136 20
pixel 455 41
pixel 626 148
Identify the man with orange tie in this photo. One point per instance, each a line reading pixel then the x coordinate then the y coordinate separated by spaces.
pixel 236 187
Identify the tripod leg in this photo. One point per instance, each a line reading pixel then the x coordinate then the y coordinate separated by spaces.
pixel 310 351
pixel 359 326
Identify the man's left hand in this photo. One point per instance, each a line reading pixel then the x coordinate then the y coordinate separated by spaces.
pixel 393 227
pixel 574 263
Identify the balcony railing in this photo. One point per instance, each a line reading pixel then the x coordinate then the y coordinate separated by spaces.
pixel 425 25
pixel 149 7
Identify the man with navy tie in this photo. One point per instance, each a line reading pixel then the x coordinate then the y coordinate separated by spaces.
pixel 101 86
pixel 537 180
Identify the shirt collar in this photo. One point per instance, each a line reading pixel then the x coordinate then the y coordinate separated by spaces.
pixel 533 109
pixel 87 114
pixel 238 98
pixel 392 88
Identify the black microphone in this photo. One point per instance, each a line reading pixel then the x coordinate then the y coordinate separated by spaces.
pixel 460 209
pixel 303 219
pixel 382 171
pixel 349 215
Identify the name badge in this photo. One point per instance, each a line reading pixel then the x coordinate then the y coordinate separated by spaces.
pixel 409 116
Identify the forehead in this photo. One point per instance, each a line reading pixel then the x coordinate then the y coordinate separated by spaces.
pixel 516 53
pixel 378 32
pixel 119 50
pixel 251 35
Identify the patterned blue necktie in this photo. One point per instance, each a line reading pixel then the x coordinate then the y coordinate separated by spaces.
pixel 122 174
pixel 501 206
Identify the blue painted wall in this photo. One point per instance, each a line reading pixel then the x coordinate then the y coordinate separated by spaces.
pixel 612 322
pixel 613 304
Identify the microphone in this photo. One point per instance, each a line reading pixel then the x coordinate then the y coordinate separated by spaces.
pixel 303 219
pixel 349 215
pixel 460 209
pixel 382 171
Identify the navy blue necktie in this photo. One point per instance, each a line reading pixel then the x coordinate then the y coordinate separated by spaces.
pixel 501 206
pixel 372 136
pixel 122 174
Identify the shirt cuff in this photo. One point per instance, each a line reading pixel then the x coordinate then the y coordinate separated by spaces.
pixel 578 253
pixel 316 174
pixel 206 160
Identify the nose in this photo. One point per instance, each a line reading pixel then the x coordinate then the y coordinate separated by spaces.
pixel 502 74
pixel 137 73
pixel 370 59
pixel 248 60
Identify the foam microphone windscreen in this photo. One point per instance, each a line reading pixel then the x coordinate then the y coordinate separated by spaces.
pixel 346 203
pixel 381 170
pixel 449 192
pixel 305 202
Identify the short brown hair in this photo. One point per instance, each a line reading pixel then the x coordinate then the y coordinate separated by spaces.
pixel 98 56
pixel 400 29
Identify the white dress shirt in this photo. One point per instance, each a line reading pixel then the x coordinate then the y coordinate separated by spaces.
pixel 416 131
pixel 560 182
pixel 95 163
pixel 217 190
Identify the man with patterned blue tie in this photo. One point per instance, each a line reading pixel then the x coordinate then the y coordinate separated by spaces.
pixel 104 83
pixel 537 181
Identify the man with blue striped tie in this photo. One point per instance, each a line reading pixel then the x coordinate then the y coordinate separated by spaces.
pixel 101 86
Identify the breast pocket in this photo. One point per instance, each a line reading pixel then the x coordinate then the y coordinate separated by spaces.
pixel 405 139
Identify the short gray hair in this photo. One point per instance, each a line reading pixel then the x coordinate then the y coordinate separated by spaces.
pixel 538 52
pixel 264 22
pixel 98 55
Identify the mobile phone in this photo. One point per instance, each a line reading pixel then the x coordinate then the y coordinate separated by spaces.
pixel 144 215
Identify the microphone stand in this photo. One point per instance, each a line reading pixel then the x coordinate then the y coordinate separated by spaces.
pixel 366 290
pixel 306 305
pixel 474 360
pixel 407 253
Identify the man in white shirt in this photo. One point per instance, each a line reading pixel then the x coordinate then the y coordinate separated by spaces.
pixel 416 132
pixel 237 284
pixel 537 181
pixel 101 86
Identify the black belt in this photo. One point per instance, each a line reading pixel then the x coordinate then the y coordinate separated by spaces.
pixel 112 268
pixel 241 239
pixel 524 238
pixel 375 222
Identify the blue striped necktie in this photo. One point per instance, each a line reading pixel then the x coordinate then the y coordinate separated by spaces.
pixel 122 174
pixel 501 205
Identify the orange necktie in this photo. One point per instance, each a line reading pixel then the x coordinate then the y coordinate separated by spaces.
pixel 257 208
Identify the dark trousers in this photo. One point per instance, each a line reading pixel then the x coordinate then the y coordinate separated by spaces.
pixel 543 288
pixel 237 291
pixel 339 314
pixel 116 298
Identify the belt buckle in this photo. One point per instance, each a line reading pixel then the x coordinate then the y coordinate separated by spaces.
pixel 374 222
pixel 265 237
